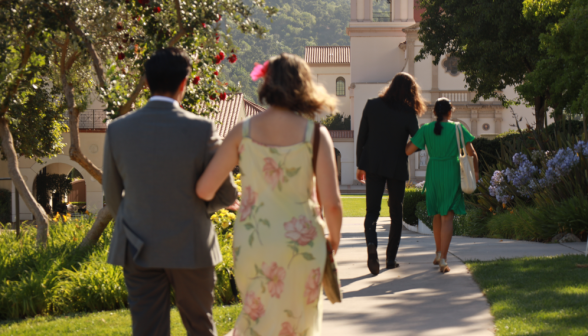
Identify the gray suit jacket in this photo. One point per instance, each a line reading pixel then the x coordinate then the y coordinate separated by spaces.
pixel 155 156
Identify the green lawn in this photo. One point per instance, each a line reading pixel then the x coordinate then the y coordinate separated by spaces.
pixel 354 206
pixel 116 322
pixel 536 296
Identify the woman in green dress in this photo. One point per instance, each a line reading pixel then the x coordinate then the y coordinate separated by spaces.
pixel 443 181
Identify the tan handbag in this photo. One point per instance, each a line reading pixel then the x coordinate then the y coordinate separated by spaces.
pixel 466 163
pixel 331 282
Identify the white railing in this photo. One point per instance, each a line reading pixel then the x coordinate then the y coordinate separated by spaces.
pixel 92 119
pixel 456 96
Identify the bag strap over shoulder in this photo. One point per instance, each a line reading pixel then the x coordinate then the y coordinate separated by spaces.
pixel 459 136
pixel 315 144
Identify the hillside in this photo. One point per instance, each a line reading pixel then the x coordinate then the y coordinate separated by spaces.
pixel 298 24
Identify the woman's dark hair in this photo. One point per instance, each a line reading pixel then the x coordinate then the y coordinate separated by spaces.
pixel 288 83
pixel 442 108
pixel 405 90
pixel 166 69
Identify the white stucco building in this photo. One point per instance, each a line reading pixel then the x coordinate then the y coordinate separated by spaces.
pixel 382 45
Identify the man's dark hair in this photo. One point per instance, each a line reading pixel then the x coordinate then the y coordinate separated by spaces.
pixel 166 69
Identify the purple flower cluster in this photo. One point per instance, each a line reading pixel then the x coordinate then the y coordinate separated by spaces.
pixel 582 147
pixel 525 176
pixel 498 187
pixel 522 177
pixel 560 165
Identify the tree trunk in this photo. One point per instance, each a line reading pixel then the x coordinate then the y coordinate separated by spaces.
pixel 102 220
pixel 540 111
pixel 41 218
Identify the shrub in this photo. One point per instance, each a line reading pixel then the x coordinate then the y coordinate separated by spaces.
pixel 336 122
pixel 469 224
pixel 487 152
pixel 5 206
pixel 516 225
pixel 61 279
pixel 475 221
pixel 421 213
pixel 412 197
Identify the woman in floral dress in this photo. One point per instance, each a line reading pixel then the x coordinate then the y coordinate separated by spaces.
pixel 279 245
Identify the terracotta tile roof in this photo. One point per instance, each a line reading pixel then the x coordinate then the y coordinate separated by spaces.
pixel 229 114
pixel 341 134
pixel 328 55
pixel 252 109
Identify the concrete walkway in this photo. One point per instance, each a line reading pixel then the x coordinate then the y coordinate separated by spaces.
pixel 416 299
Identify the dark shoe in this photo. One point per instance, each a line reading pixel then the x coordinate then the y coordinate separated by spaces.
pixel 373 261
pixel 392 265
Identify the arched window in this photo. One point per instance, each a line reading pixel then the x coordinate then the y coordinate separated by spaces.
pixel 340 86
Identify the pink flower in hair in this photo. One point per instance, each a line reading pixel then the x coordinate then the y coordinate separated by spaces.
pixel 259 71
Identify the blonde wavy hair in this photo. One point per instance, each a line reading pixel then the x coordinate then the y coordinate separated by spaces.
pixel 288 84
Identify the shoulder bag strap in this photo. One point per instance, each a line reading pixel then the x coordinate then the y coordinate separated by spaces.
pixel 315 145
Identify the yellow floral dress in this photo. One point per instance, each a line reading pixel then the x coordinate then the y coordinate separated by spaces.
pixel 279 245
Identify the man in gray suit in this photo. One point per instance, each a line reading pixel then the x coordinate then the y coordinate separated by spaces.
pixel 163 236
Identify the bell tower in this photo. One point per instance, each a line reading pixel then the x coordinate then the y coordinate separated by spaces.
pixel 400 11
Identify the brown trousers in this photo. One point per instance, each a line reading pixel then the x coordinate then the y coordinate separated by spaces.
pixel 149 298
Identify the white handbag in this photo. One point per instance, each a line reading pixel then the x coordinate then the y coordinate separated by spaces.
pixel 466 163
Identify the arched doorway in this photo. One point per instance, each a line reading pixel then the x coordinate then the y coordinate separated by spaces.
pixel 60 188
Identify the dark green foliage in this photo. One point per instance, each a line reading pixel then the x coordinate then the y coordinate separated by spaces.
pixel 49 185
pixel 298 24
pixel 412 197
pixel 421 213
pixel 487 150
pixel 542 223
pixel 472 224
pixel 5 206
pixel 336 122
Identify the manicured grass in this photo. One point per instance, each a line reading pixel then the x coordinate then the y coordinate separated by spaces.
pixel 354 206
pixel 536 296
pixel 117 322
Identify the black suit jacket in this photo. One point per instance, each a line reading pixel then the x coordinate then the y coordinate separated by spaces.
pixel 383 134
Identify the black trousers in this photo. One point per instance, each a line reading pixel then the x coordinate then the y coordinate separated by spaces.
pixel 374 191
pixel 149 298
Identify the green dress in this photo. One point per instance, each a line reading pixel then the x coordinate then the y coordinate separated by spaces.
pixel 443 182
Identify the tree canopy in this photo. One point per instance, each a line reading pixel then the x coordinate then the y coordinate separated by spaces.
pixel 496 45
pixel 564 69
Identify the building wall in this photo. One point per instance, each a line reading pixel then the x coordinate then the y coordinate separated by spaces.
pixel 376 59
pixel 327 76
pixel 347 149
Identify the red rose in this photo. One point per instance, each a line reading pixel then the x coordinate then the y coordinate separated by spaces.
pixel 212 97
pixel 223 96
pixel 217 39
pixel 121 56
pixel 196 80
pixel 219 18
pixel 216 73
pixel 120 48
pixel 143 2
pixel 157 9
pixel 204 25
pixel 222 55
pixel 233 58
pixel 217 59
pixel 119 26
